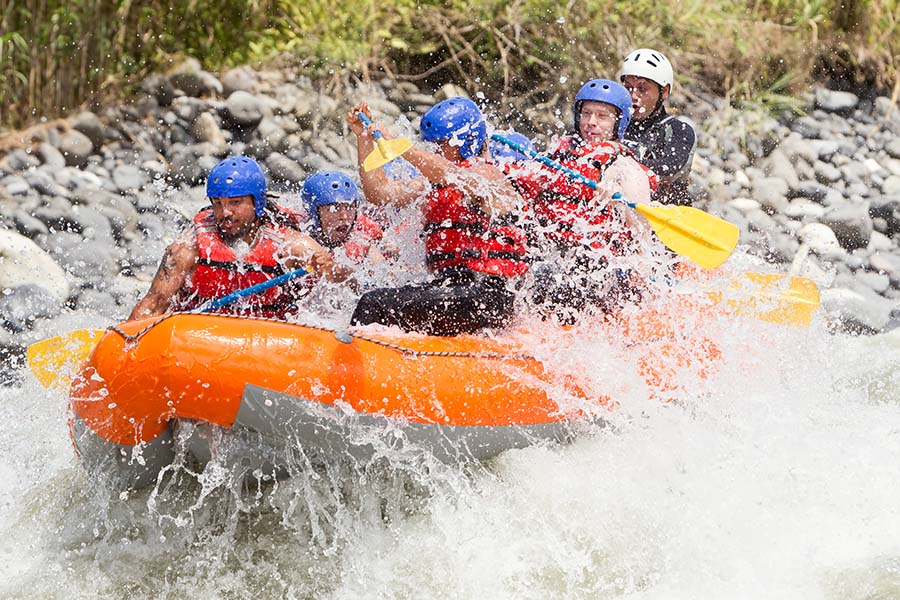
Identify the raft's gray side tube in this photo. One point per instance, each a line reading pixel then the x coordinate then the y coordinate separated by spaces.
pixel 339 430
pixel 127 467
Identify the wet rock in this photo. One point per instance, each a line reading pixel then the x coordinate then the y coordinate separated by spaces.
pixel 851 224
pixel 151 226
pixel 186 109
pixel 23 304
pixel 89 124
pixel 23 262
pixel 771 193
pixel 20 160
pixel 15 185
pixel 28 225
pixel 877 282
pixel 795 147
pixel 244 110
pixel 206 129
pixel 836 101
pixel 824 149
pixel 283 170
pixel 75 147
pixel 267 138
pixel 43 183
pixel 778 165
pixel 820 239
pixel 805 210
pixel 826 172
pixel 191 163
pixel 89 260
pixel 449 90
pixel 129 178
pixel 98 302
pixel 160 88
pixel 384 110
pixel 242 79
pixel 94 225
pixel 192 80
pixel 51 157
pixel 893 148
pixel 858 311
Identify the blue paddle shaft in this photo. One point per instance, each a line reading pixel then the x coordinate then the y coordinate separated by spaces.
pixel 365 121
pixel 555 165
pixel 253 289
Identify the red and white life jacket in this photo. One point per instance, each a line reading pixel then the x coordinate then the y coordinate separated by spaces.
pixel 458 234
pixel 364 234
pixel 220 272
pixel 567 209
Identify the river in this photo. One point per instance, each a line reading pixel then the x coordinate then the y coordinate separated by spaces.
pixel 777 477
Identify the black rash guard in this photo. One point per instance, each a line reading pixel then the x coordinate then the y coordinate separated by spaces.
pixel 665 144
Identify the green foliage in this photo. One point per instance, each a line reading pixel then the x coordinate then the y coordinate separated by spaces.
pixel 55 55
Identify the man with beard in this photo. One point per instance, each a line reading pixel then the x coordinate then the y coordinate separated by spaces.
pixel 239 241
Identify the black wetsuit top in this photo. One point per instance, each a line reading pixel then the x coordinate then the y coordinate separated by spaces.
pixel 665 144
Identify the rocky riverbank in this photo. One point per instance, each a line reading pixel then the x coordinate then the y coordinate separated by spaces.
pixel 87 205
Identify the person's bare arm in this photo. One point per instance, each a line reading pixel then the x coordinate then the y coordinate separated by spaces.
pixel 377 187
pixel 483 182
pixel 177 263
pixel 303 252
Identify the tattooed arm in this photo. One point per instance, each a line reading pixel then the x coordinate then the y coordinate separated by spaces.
pixel 177 263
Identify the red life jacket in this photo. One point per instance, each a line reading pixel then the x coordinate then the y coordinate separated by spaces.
pixel 558 200
pixel 219 272
pixel 365 232
pixel 458 234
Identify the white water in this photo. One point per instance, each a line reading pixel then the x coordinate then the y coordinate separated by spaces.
pixel 777 478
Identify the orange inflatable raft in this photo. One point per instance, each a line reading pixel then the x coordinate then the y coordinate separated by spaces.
pixel 462 398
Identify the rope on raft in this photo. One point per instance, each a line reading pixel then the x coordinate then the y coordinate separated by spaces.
pixel 134 338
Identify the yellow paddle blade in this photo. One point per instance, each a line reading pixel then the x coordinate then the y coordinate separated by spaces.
pixel 54 361
pixel 772 298
pixel 386 151
pixel 705 239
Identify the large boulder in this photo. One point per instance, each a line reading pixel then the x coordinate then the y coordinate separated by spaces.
pixel 23 262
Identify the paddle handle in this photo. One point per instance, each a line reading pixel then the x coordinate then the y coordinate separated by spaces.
pixel 253 289
pixel 368 123
pixel 556 166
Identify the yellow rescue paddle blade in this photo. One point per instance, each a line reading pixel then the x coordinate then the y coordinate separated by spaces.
pixel 386 151
pixel 54 361
pixel 772 298
pixel 703 238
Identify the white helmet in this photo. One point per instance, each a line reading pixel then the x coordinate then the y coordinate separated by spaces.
pixel 649 64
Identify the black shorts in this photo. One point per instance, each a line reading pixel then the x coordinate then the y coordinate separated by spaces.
pixel 463 302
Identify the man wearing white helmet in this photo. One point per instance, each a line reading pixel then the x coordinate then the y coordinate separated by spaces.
pixel 660 141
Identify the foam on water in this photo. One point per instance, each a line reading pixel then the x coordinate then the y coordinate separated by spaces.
pixel 778 477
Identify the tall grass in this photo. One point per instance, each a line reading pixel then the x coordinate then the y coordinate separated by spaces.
pixel 57 55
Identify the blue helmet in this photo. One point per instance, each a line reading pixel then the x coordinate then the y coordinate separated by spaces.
pixel 499 150
pixel 238 176
pixel 456 118
pixel 608 92
pixel 327 187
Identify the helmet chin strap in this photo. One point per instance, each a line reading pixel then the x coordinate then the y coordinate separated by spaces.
pixel 659 101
